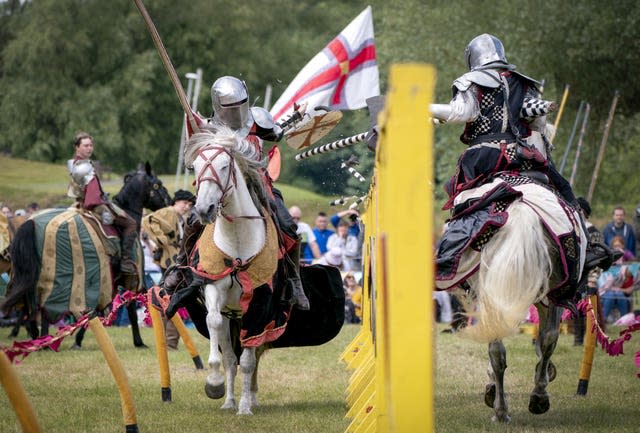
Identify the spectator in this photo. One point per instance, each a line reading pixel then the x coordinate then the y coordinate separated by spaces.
pixel 333 257
pixel 339 238
pixel 618 227
pixel 322 232
pixel 152 272
pixel 6 209
pixel 350 245
pixel 32 208
pixel 352 299
pixel 616 287
pixel 617 243
pixel 307 237
pixel 165 230
pixel 353 253
pixel 352 218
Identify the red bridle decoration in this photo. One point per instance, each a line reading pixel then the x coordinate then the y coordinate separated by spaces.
pixel 231 180
pixel 214 177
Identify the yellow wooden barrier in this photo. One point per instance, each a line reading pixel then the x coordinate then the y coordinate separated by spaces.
pixel 391 389
pixel 17 397
pixel 122 382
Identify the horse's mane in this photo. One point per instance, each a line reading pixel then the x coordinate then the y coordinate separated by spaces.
pixel 246 155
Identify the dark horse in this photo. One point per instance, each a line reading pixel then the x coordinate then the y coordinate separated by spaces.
pixel 141 189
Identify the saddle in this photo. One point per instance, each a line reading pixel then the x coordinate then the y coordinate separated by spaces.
pixel 479 213
pixel 108 234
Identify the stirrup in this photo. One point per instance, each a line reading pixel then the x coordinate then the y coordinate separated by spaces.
pixel 298 297
pixel 601 256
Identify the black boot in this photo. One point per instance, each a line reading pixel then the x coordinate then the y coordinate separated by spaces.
pixel 184 294
pixel 128 267
pixel 600 255
pixel 298 297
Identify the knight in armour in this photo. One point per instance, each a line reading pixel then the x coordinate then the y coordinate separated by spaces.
pixel 231 108
pixel 87 190
pixel 505 131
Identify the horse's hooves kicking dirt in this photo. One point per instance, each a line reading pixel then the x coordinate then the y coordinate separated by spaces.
pixel 490 394
pixel 539 404
pixel 214 391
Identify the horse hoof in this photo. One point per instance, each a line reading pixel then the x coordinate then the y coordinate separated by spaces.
pixel 214 391
pixel 503 417
pixel 551 371
pixel 229 405
pixel 490 394
pixel 141 346
pixel 246 411
pixel 539 404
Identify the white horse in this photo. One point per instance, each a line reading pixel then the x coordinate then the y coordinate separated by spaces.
pixel 519 266
pixel 223 163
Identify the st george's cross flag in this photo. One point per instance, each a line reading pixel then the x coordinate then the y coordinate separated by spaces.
pixel 342 76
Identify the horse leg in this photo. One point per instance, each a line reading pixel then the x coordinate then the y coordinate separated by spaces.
pixel 79 338
pixel 545 370
pixel 214 384
pixel 494 392
pixel 230 363
pixel 254 379
pixel 135 329
pixel 248 366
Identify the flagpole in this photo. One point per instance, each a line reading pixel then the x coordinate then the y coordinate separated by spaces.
pixel 603 145
pixel 580 141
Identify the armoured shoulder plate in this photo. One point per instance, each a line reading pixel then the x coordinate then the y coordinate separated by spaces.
pixel 82 171
pixel 263 118
pixel 486 78
pixel 535 83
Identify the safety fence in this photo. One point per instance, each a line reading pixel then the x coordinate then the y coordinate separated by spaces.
pixel 391 388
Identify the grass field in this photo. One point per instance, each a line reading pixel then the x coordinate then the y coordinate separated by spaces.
pixel 23 182
pixel 302 390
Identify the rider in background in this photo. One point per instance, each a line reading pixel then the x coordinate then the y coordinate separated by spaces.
pixel 85 187
pixel 505 128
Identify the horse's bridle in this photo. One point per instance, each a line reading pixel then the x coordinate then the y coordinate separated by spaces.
pixel 230 181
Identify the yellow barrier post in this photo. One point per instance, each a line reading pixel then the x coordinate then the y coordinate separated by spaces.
pixel 115 365
pixel 589 348
pixel 406 191
pixel 17 397
pixel 391 389
pixel 161 352
pixel 188 341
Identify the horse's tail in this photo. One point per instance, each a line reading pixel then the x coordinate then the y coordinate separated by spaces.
pixel 25 269
pixel 515 269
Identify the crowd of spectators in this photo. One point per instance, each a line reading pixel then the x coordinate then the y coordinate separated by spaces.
pixel 340 247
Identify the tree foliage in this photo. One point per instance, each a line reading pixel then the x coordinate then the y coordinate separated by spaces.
pixel 70 65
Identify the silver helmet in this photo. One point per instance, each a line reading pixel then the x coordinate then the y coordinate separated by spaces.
pixel 230 101
pixel 484 50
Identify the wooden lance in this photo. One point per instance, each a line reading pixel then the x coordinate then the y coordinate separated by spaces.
pixel 565 95
pixel 330 147
pixel 603 145
pixel 168 66
pixel 353 172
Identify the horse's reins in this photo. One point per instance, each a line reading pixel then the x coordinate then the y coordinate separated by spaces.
pixel 231 180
